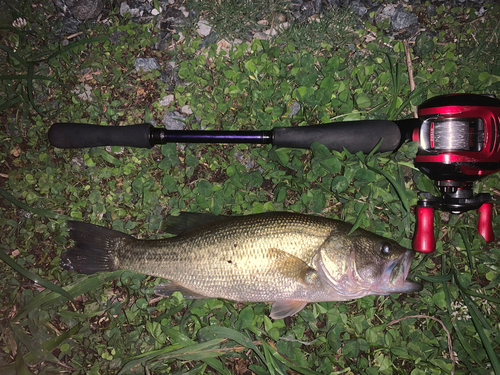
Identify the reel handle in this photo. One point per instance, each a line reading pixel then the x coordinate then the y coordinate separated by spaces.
pixel 484 223
pixel 424 241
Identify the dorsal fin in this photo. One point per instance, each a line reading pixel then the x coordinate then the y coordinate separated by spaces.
pixel 187 221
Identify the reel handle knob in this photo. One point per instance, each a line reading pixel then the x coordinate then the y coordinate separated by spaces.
pixel 484 224
pixel 424 241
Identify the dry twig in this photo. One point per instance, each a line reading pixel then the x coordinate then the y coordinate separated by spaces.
pixel 410 72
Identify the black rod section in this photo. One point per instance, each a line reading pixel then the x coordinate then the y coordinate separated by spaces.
pixel 352 135
pixel 162 136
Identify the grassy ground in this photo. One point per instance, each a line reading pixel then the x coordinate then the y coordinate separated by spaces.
pixel 335 68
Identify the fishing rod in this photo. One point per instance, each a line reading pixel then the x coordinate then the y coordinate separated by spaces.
pixel 458 137
pixel 335 136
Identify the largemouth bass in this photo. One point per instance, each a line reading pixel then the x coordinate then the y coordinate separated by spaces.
pixel 289 259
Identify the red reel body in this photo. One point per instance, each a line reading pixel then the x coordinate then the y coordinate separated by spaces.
pixel 459 142
pixel 459 137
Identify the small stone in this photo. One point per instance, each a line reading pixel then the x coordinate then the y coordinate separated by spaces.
pixel 169 76
pixel 84 93
pixel 134 12
pixel 146 64
pixel 70 25
pixel 271 32
pixel 280 17
pixel 403 19
pixel 204 28
pixel 184 11
pixel 245 159
pixel 84 10
pixel 118 36
pixel 294 109
pixel 261 36
pixel 174 121
pixel 187 110
pixel 124 8
pixel 166 100
pixel 77 162
pixel 283 26
pixel 224 45
pixel 359 8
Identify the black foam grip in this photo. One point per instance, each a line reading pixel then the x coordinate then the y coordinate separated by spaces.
pixel 71 135
pixel 353 135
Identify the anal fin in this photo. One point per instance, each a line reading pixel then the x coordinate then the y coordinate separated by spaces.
pixel 167 289
pixel 284 308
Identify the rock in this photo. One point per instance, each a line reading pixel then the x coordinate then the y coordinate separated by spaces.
pixel 84 92
pixel 186 109
pixel 166 100
pixel 294 109
pixel 204 28
pixel 338 3
pixel 118 37
pixel 171 18
pixel 78 162
pixel 211 38
pixel 82 10
pixel 302 10
pixel 174 121
pixel 403 19
pixel 245 159
pixel 133 11
pixel 358 8
pixel 146 64
pixel 399 17
pixel 124 8
pixel 63 6
pixel 387 13
pixel 85 10
pixel 261 36
pixel 272 32
pixel 169 76
pixel 70 25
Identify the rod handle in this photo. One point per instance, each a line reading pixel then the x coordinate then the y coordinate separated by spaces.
pixel 484 224
pixel 354 136
pixel 424 241
pixel 74 135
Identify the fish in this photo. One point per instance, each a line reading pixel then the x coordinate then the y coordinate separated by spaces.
pixel 287 259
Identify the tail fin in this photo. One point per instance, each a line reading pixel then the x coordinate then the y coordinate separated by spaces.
pixel 94 250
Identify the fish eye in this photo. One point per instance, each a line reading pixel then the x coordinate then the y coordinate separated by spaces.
pixel 385 249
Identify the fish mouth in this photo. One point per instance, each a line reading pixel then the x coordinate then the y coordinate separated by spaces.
pixel 393 279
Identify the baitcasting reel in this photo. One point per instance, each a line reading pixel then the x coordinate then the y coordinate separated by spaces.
pixel 459 143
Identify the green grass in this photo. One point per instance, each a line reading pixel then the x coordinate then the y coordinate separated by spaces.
pixel 55 321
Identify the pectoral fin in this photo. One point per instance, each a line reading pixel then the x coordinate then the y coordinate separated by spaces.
pixel 291 266
pixel 282 309
pixel 166 289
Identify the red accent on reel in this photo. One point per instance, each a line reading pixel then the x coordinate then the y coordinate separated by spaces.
pixel 484 226
pixel 424 241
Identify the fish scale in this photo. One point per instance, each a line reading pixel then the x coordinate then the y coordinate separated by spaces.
pixel 286 258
